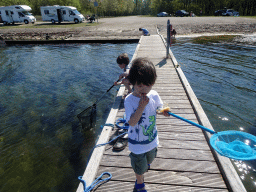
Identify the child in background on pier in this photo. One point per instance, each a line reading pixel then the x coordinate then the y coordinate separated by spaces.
pixel 123 61
pixel 145 31
pixel 140 109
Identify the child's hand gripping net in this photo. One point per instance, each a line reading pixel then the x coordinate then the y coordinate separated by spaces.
pixel 164 111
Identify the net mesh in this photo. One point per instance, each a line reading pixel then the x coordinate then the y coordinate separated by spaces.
pixel 235 145
pixel 88 118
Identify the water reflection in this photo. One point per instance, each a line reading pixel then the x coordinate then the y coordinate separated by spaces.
pixel 43 88
pixel 226 91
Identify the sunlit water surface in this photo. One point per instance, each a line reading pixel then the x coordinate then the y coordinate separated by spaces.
pixel 223 77
pixel 42 89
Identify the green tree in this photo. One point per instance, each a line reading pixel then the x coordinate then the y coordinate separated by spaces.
pixel 110 7
pixel 155 6
pixel 138 7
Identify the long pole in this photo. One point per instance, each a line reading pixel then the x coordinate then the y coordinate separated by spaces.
pixel 192 123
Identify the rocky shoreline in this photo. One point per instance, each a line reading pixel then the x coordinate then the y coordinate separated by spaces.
pixel 127 28
pixel 43 34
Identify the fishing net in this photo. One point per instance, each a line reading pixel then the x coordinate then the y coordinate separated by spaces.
pixel 235 145
pixel 88 118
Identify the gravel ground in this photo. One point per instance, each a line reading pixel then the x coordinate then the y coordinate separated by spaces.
pixel 127 28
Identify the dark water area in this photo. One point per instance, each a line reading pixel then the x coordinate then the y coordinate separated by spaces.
pixel 223 77
pixel 42 89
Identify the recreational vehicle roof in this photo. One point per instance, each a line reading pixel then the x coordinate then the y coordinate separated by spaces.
pixel 25 7
pixel 18 7
pixel 58 6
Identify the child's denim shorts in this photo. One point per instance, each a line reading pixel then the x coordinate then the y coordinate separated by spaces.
pixel 140 162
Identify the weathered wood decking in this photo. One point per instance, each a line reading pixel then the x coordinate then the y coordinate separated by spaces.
pixel 184 161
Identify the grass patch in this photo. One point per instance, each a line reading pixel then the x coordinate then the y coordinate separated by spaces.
pixel 213 39
pixel 38 18
pixel 147 16
pixel 252 17
pixel 50 25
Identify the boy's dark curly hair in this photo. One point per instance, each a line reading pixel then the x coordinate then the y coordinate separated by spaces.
pixel 142 72
pixel 123 59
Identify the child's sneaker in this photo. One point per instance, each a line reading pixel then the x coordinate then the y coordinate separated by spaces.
pixel 139 187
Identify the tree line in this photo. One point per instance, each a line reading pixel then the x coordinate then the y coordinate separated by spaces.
pixel 141 7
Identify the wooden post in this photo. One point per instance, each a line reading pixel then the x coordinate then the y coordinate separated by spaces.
pixel 168 38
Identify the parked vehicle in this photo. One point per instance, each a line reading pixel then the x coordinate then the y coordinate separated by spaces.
pixel 162 14
pixel 236 13
pixel 16 14
pixel 230 12
pixel 219 12
pixel 59 13
pixel 181 13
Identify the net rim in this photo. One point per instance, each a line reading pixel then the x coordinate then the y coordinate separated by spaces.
pixel 238 133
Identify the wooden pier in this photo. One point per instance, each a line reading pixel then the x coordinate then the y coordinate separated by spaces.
pixel 184 162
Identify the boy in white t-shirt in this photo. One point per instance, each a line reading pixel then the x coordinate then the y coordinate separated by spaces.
pixel 140 109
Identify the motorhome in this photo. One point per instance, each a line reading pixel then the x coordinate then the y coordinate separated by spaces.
pixel 16 14
pixel 58 14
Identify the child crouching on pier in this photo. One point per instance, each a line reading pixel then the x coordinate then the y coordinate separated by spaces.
pixel 140 109
pixel 123 61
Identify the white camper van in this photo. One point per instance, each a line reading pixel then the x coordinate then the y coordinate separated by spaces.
pixel 58 14
pixel 16 14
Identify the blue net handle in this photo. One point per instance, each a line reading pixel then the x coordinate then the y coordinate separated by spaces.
pixel 192 123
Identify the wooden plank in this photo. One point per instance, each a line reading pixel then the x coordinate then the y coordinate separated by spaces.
pixel 178 165
pixel 174 122
pixel 116 186
pixel 171 153
pixel 170 91
pixel 178 88
pixel 178 128
pixel 204 180
pixel 186 144
pixel 181 136
pixel 184 115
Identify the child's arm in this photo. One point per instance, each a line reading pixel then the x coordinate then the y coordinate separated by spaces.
pixel 135 117
pixel 119 81
pixel 123 75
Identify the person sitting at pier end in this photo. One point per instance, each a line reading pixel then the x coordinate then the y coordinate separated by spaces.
pixel 140 109
pixel 145 31
pixel 123 61
pixel 173 33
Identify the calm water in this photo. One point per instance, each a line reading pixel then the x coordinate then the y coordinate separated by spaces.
pixel 42 89
pixel 223 77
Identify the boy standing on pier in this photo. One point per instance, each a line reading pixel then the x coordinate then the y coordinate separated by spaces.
pixel 140 109
pixel 123 61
